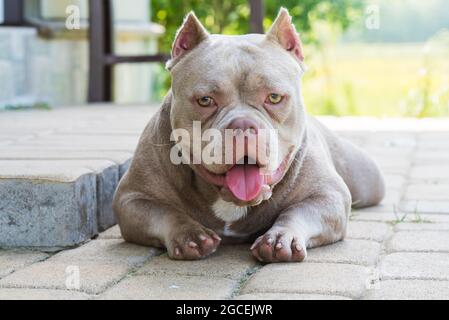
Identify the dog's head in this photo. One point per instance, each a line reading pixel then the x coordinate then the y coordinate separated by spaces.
pixel 246 85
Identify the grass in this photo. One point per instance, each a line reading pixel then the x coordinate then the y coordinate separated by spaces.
pixel 383 80
pixel 378 80
pixel 35 106
pixel 401 217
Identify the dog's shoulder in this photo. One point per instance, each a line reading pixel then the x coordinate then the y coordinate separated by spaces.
pixel 151 170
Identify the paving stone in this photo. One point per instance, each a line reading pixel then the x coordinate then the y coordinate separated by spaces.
pixel 41 294
pixel 47 208
pixel 422 226
pixel 57 139
pixel 233 261
pixel 68 147
pixel 169 287
pixel 434 140
pixel 111 233
pixel 427 156
pixel 44 173
pixel 109 251
pixel 376 231
pixel 363 252
pixel 124 167
pixel 392 198
pixel 288 296
pixel 411 265
pixel 94 276
pixel 401 217
pixel 101 131
pixel 392 139
pixel 388 152
pixel 397 166
pixel 107 177
pixel 24 153
pixel 410 290
pixel 427 192
pixel 387 207
pixel 309 278
pixel 92 144
pixel 431 172
pixel 426 241
pixel 424 206
pixel 13 260
pixel 394 181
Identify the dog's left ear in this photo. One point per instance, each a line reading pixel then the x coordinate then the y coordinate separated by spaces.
pixel 284 32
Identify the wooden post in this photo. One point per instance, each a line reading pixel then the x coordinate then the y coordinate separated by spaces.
pixel 257 15
pixel 101 45
pixel 13 11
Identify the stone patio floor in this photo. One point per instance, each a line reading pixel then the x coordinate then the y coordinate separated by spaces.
pixel 398 250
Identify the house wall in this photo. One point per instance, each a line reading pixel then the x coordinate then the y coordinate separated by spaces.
pixel 55 71
pixel 1 11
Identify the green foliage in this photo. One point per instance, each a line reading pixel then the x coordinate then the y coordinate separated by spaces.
pixel 232 17
pixel 24 106
pixel 343 78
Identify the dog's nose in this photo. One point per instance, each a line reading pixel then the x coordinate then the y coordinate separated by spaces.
pixel 244 124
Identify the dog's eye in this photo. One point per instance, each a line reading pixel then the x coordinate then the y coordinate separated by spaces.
pixel 205 101
pixel 274 98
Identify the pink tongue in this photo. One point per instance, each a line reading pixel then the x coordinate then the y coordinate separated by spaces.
pixel 244 181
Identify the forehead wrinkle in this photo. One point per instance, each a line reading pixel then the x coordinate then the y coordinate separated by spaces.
pixel 258 81
pixel 207 86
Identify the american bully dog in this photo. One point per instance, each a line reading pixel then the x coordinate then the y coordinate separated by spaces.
pixel 298 199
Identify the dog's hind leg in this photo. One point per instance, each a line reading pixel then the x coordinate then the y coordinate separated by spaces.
pixel 360 173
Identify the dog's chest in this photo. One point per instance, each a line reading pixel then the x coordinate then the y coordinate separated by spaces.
pixel 229 213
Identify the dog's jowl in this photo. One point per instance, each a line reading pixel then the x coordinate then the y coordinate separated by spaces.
pixel 286 183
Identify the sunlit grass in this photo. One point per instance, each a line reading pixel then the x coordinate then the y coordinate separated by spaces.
pixel 378 80
pixel 388 80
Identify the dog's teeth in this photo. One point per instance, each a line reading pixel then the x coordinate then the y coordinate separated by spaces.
pixel 279 245
pixel 269 241
pixel 177 252
pixel 202 237
pixel 298 247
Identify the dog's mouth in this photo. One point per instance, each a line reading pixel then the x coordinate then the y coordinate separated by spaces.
pixel 246 181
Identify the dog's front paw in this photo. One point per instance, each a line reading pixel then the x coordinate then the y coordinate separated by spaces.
pixel 279 245
pixel 192 243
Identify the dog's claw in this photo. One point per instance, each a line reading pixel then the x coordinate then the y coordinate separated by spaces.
pixel 192 243
pixel 286 246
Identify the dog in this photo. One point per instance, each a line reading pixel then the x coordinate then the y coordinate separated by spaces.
pixel 300 199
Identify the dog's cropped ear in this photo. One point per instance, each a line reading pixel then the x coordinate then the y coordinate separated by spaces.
pixel 187 38
pixel 284 32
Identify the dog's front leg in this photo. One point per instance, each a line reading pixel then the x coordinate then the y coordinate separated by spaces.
pixel 316 221
pixel 146 223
